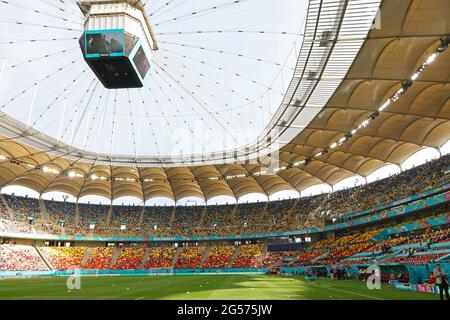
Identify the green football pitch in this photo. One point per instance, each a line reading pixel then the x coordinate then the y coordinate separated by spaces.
pixel 203 287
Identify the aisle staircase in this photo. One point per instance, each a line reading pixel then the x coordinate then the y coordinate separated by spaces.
pixel 292 214
pixel 87 255
pixel 43 211
pixel 43 258
pixel 172 215
pixel 77 214
pixel 141 216
pixel 232 215
pixel 202 217
pixel 11 213
pixel 323 255
pixel 175 256
pixel 236 254
pixel 108 217
pixel 145 258
pixel 264 250
pixel 116 254
pixel 205 255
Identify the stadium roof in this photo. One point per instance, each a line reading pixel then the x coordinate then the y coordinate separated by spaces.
pixel 348 110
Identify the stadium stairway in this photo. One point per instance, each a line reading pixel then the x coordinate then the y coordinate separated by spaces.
pixel 264 251
pixel 87 255
pixel 108 217
pixel 175 256
pixel 236 254
pixel 141 217
pixel 291 214
pixel 145 258
pixel 323 255
pixel 43 258
pixel 172 215
pixel 43 211
pixel 206 254
pixel 263 254
pixel 232 215
pixel 77 214
pixel 10 212
pixel 115 256
pixel 202 217
pixel 294 206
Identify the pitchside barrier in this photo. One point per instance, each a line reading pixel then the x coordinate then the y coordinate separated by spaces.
pixel 417 274
pixel 428 288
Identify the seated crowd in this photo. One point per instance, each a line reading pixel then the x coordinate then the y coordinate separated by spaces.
pixel 190 258
pixel 417 247
pixel 15 257
pixel 129 259
pixel 219 257
pixel 159 258
pixel 250 256
pixel 251 218
pixel 64 258
pixel 99 259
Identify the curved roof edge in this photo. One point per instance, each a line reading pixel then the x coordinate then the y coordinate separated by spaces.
pixel 334 33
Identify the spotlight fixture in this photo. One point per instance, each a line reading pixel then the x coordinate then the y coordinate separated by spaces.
pixel 406 84
pixel 444 44
pixel 374 115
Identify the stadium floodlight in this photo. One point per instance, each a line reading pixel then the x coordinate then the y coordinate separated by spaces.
pixel 444 44
pixel 50 170
pixel 72 174
pixel 117 42
pixel 431 58
pixel 298 163
pixel 364 124
pixel 385 105
pixel 415 76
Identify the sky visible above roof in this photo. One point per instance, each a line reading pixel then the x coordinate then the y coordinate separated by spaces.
pixel 216 81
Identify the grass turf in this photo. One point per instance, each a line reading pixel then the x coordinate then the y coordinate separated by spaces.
pixel 204 287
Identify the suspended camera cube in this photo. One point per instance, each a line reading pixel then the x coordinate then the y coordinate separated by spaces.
pixel 118 42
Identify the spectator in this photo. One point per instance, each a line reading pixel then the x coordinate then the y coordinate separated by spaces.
pixel 441 281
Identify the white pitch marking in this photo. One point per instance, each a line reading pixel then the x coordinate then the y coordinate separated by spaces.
pixel 354 293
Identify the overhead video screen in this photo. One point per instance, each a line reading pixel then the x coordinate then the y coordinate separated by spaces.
pixel 110 43
pixel 141 62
